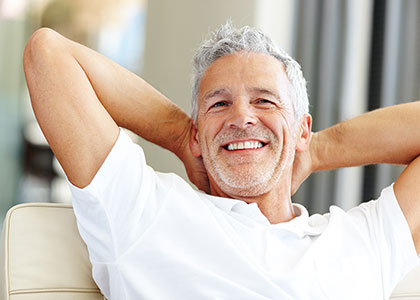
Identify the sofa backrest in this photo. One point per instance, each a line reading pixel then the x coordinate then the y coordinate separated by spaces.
pixel 43 257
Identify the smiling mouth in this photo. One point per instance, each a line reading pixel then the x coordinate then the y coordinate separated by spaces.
pixel 246 145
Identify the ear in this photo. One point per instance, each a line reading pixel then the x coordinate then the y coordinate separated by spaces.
pixel 303 133
pixel 194 143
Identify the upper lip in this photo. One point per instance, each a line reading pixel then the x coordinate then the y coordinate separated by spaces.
pixel 243 141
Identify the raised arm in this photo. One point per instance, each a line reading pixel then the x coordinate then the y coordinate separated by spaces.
pixel 80 98
pixel 389 135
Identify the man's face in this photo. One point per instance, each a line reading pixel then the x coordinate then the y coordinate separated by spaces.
pixel 246 124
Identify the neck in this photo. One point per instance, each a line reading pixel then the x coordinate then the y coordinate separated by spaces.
pixel 276 204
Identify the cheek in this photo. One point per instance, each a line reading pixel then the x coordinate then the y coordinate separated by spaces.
pixel 276 123
pixel 210 127
pixel 284 122
pixel 205 136
pixel 282 127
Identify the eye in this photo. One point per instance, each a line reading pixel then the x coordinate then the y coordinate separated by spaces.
pixel 264 102
pixel 219 104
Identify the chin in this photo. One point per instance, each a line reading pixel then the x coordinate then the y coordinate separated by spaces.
pixel 244 180
pixel 246 186
pixel 247 193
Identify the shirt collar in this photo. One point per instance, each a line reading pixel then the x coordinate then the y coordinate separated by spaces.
pixel 302 224
pixel 225 204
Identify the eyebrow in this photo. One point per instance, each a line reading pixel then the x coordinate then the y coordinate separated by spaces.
pixel 214 93
pixel 259 90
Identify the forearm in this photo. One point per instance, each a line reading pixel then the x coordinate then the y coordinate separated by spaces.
pixel 130 101
pixel 389 135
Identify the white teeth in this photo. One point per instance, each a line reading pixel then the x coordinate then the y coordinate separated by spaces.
pixel 244 145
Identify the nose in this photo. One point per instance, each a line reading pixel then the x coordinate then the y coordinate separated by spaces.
pixel 241 115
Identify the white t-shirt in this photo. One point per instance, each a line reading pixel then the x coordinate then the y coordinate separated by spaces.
pixel 152 236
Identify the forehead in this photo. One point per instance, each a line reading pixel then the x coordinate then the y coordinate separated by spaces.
pixel 243 72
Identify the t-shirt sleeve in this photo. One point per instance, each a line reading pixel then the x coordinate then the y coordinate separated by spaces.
pixel 390 236
pixel 120 203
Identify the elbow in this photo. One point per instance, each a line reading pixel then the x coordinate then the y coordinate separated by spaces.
pixel 39 57
pixel 40 48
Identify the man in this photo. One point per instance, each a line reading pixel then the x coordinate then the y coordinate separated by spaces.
pixel 152 236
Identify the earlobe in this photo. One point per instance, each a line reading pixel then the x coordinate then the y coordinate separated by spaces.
pixel 303 134
pixel 194 143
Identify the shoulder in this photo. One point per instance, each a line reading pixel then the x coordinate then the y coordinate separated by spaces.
pixel 378 224
pixel 407 193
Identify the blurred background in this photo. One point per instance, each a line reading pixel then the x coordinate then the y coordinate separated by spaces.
pixel 357 55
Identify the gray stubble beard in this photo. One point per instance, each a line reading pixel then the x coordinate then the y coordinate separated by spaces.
pixel 260 181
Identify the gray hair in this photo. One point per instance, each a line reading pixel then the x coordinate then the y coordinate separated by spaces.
pixel 228 40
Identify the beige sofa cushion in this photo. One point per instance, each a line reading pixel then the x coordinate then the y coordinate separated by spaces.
pixel 43 257
pixel 409 287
